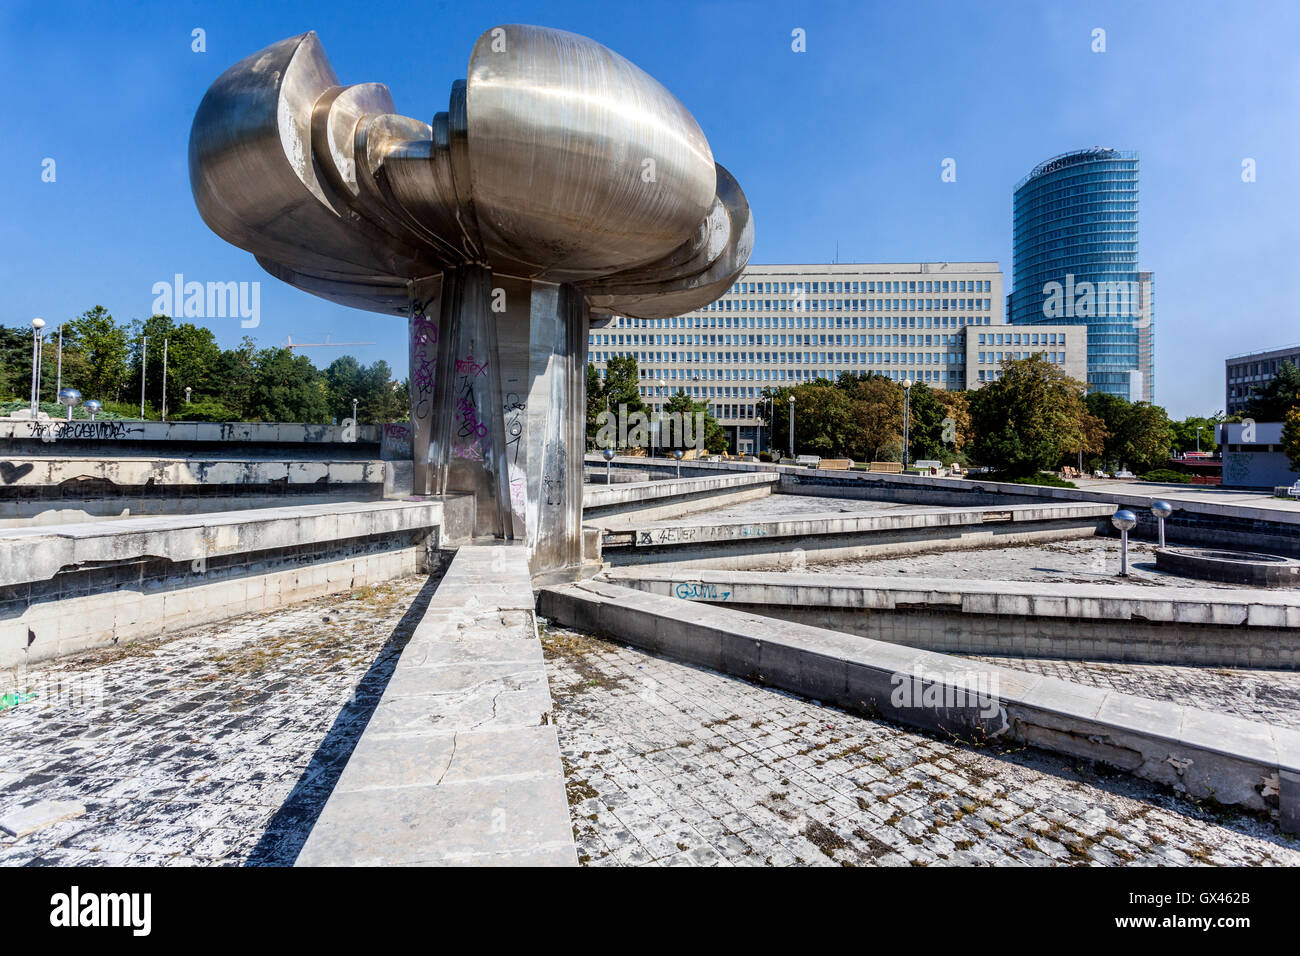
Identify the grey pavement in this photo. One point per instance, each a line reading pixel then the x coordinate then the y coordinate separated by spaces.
pixel 668 764
pixel 217 745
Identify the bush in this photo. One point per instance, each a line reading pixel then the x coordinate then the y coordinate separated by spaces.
pixel 1169 476
pixel 1042 478
pixel 764 456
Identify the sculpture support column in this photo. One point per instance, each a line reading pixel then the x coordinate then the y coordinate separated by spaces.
pixel 423 340
pixel 468 448
pixel 556 425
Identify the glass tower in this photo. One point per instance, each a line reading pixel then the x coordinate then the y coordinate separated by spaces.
pixel 1075 262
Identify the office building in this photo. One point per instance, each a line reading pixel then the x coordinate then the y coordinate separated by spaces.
pixel 1243 372
pixel 783 325
pixel 1075 263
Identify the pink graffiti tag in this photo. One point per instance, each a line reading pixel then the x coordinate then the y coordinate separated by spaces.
pixel 467 366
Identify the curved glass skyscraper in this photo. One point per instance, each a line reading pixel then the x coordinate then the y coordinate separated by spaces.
pixel 1075 262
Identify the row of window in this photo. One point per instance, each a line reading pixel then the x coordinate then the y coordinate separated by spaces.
pixel 848 305
pixel 774 358
pixel 661 341
pixel 884 285
pixel 997 358
pixel 1030 338
pixel 780 322
pixel 949 377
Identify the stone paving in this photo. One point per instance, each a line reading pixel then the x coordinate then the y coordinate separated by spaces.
pixel 217 745
pixel 668 764
pixel 1272 696
pixel 1091 560
pixel 794 506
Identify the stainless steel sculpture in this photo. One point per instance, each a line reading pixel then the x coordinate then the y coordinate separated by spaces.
pixel 562 181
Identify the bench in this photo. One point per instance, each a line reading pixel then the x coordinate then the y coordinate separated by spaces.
pixel 836 464
pixel 887 467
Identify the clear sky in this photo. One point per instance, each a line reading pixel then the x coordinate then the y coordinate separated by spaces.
pixel 843 143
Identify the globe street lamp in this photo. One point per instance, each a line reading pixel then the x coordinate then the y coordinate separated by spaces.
pixel 188 389
pixel 1124 520
pixel 791 400
pixel 37 325
pixel 677 453
pixel 93 408
pixel 69 397
pixel 907 418
pixel 1162 510
pixel 609 459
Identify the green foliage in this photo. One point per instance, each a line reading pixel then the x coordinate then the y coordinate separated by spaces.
pixel 715 436
pixel 1028 419
pixel 1183 434
pixel 1139 435
pixel 1291 437
pixel 1042 478
pixel 1271 401
pixel 1168 476
pixel 286 388
pixel 102 359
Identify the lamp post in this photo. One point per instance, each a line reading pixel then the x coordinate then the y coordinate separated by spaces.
pixel 1162 510
pixel 1124 520
pixel 354 411
pixel 1198 439
pixel 791 400
pixel 188 389
pixel 608 453
pixel 144 351
pixel 907 419
pixel 93 408
pixel 69 397
pixel 164 394
pixel 677 453
pixel 659 409
pixel 58 367
pixel 37 325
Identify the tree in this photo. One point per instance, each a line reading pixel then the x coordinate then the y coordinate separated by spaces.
pixel 1138 433
pixel 101 347
pixel 622 385
pixel 236 369
pixel 595 403
pixel 1291 437
pixel 715 436
pixel 956 408
pixel 1028 418
pixel 1185 435
pixel 1271 402
pixel 376 394
pixel 878 405
pixel 925 427
pixel 286 388
pixel 824 420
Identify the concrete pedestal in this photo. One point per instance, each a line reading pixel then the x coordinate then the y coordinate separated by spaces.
pixel 498 383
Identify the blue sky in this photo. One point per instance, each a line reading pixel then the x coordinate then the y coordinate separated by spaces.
pixel 842 143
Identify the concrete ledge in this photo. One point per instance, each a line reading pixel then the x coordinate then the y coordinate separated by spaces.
pixel 460 764
pixel 646 500
pixel 740 543
pixel 37 554
pixel 53 430
pixel 1201 626
pixel 1205 754
pixel 25 474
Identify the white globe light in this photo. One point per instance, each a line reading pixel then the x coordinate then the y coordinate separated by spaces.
pixel 38 324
